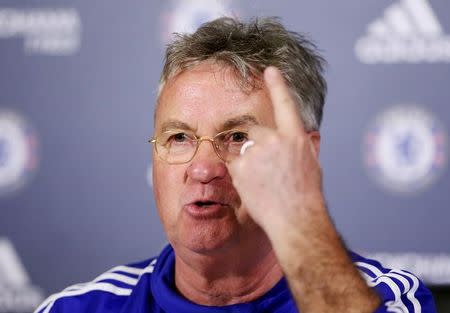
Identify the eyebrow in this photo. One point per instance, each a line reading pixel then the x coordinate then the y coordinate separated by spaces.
pixel 239 121
pixel 174 124
pixel 228 124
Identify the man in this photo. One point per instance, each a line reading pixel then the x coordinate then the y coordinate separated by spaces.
pixel 238 187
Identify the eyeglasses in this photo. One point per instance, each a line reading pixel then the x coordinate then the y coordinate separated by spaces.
pixel 179 146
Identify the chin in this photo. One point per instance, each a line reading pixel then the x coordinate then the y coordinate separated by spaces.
pixel 206 237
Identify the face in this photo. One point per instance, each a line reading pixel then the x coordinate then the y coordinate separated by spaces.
pixel 198 205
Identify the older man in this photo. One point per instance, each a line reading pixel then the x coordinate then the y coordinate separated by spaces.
pixel 238 187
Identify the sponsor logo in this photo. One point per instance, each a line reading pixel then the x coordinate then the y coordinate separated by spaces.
pixel 18 152
pixel 17 294
pixel 186 16
pixel 408 32
pixel 44 31
pixel 405 149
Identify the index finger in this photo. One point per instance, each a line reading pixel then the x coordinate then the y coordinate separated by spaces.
pixel 285 108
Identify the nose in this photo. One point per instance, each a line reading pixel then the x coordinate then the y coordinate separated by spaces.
pixel 206 165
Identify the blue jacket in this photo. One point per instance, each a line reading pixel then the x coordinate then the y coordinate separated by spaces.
pixel 149 287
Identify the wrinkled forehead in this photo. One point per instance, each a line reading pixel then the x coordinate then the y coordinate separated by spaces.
pixel 246 76
pixel 207 92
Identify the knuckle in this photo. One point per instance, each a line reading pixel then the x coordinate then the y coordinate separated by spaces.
pixel 254 131
pixel 273 139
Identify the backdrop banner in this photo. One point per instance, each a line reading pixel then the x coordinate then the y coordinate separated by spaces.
pixel 78 85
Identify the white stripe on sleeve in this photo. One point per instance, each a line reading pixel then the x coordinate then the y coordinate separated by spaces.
pixel 379 276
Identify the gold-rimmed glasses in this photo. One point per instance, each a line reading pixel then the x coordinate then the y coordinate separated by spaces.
pixel 180 146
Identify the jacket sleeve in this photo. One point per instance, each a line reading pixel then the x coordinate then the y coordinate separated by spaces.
pixel 399 290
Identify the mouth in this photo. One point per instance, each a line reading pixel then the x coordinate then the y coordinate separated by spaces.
pixel 206 209
pixel 204 204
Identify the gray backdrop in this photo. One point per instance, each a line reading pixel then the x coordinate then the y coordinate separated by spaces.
pixel 77 91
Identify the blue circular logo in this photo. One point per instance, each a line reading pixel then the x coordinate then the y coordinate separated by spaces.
pixel 18 152
pixel 405 149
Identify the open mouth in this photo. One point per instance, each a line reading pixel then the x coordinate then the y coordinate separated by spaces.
pixel 205 203
pixel 206 209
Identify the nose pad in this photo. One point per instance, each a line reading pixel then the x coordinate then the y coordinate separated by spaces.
pixel 213 144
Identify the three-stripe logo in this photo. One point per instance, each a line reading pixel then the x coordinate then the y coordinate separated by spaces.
pixel 408 32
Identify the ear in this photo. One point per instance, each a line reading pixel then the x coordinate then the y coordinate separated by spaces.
pixel 314 137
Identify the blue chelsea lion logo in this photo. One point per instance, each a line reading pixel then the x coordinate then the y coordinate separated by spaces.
pixel 405 149
pixel 18 152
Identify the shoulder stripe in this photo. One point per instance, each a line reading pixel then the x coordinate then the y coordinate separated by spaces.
pixel 115 276
pixel 96 284
pixel 127 269
pixel 149 269
pixel 411 295
pixel 408 290
pixel 394 306
pixel 133 270
pixel 106 276
pixel 107 287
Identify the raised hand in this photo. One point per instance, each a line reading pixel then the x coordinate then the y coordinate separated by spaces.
pixel 279 177
pixel 279 182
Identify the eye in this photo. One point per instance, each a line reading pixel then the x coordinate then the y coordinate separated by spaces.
pixel 174 138
pixel 238 136
pixel 178 137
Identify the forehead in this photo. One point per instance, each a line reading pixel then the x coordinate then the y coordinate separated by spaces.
pixel 210 93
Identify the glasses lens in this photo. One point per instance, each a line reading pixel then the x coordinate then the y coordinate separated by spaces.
pixel 176 147
pixel 229 144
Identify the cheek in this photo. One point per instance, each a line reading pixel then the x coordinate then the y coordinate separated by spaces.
pixel 167 187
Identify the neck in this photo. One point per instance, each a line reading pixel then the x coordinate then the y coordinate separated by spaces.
pixel 234 275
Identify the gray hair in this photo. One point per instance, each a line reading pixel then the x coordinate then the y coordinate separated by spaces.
pixel 249 48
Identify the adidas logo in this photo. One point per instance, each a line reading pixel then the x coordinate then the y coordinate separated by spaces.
pixel 408 32
pixel 17 294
